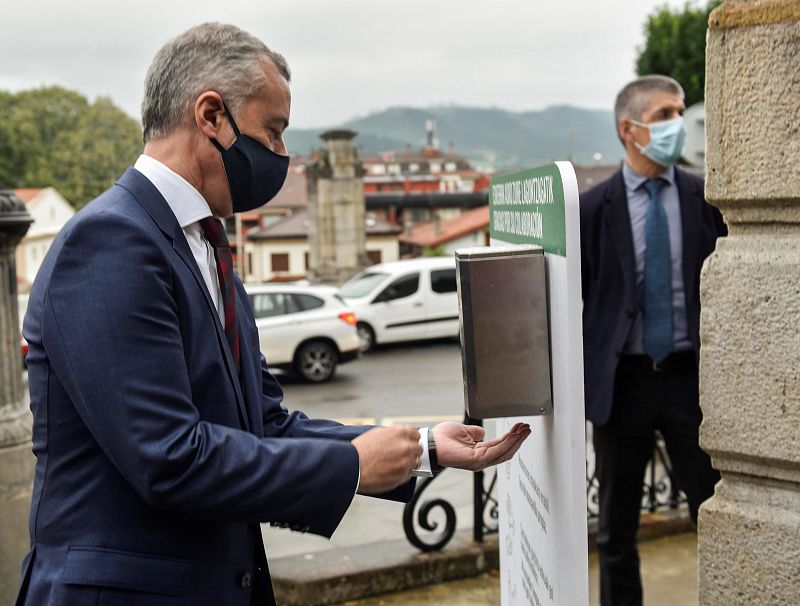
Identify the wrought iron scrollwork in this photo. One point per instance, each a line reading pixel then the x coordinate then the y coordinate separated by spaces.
pixel 436 541
pixel 659 491
pixel 484 504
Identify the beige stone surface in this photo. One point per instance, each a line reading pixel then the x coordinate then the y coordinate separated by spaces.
pixel 753 118
pixel 749 544
pixel 743 13
pixel 750 364
pixel 749 532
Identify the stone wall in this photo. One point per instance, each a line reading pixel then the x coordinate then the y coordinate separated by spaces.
pixel 337 235
pixel 749 532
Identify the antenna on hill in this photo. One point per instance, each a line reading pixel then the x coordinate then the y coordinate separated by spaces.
pixel 431 141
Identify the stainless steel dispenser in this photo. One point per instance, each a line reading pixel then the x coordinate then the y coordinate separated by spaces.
pixel 505 334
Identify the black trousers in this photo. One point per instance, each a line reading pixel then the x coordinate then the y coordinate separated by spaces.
pixel 645 399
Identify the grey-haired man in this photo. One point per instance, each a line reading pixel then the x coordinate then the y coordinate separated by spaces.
pixel 645 234
pixel 160 437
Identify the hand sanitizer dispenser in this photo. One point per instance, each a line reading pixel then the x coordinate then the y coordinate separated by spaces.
pixel 505 334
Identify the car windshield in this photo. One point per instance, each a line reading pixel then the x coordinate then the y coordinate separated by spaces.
pixel 362 284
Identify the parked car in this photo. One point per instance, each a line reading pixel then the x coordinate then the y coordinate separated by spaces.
pixel 304 329
pixel 404 301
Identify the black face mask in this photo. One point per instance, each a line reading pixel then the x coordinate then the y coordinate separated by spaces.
pixel 255 172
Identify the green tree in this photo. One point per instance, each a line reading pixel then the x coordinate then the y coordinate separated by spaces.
pixel 55 137
pixel 675 45
pixel 434 251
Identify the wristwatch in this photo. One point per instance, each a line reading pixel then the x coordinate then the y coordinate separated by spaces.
pixel 436 469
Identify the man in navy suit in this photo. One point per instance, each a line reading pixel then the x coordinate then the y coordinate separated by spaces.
pixel 160 437
pixel 645 234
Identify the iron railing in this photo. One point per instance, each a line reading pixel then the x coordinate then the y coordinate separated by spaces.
pixel 659 492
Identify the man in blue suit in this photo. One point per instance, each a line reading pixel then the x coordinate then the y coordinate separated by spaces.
pixel 645 234
pixel 160 437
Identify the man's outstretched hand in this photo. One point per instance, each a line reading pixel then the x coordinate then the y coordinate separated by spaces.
pixel 462 446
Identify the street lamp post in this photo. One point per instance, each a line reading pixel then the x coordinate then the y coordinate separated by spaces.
pixel 16 462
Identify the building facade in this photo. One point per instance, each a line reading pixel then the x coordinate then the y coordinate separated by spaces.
pixel 50 212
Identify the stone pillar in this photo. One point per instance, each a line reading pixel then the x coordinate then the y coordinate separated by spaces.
pixel 749 532
pixel 336 208
pixel 16 460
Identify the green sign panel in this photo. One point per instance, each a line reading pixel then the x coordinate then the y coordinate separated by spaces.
pixel 528 208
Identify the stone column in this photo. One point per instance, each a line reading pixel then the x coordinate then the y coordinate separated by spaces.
pixel 16 460
pixel 749 532
pixel 336 208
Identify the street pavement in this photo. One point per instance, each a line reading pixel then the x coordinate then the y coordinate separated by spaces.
pixel 669 575
pixel 416 380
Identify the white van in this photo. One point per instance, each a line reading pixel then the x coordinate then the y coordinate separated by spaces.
pixel 404 301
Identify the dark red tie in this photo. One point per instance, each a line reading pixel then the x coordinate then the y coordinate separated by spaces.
pixel 215 234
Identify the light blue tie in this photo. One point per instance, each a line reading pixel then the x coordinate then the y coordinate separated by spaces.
pixel 657 297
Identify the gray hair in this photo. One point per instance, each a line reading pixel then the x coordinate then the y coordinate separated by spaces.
pixel 633 99
pixel 211 56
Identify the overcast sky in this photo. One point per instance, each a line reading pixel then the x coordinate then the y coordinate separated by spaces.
pixel 348 57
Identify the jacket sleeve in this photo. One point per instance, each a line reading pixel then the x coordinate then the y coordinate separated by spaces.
pixel 278 421
pixel 111 331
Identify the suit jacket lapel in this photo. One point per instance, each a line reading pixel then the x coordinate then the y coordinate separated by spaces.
pixel 691 209
pixel 250 373
pixel 153 202
pixel 619 222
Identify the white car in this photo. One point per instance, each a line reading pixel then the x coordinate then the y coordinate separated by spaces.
pixel 404 301
pixel 306 330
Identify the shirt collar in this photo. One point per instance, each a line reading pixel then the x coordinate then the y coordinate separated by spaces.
pixel 186 203
pixel 635 180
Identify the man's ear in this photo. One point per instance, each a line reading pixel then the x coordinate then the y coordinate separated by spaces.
pixel 624 131
pixel 210 118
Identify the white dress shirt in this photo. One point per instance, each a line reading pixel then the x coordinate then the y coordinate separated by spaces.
pixel 189 207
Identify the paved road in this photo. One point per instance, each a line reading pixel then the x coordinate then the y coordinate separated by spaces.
pixel 412 380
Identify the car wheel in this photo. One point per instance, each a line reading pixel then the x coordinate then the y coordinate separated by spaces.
pixel 316 361
pixel 366 336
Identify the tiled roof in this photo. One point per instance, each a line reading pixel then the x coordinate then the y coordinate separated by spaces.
pixel 294 193
pixel 296 226
pixel 432 235
pixel 27 194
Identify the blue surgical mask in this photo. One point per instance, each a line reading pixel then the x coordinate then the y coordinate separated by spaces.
pixel 255 172
pixel 667 140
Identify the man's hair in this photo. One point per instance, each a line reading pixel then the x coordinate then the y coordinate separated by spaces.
pixel 211 56
pixel 633 99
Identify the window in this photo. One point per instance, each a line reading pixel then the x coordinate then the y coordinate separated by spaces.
pixel 362 284
pixel 268 305
pixel 306 302
pixel 280 261
pixel 399 289
pixel 443 280
pixel 374 256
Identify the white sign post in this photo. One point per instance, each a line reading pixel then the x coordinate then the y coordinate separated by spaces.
pixel 542 490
